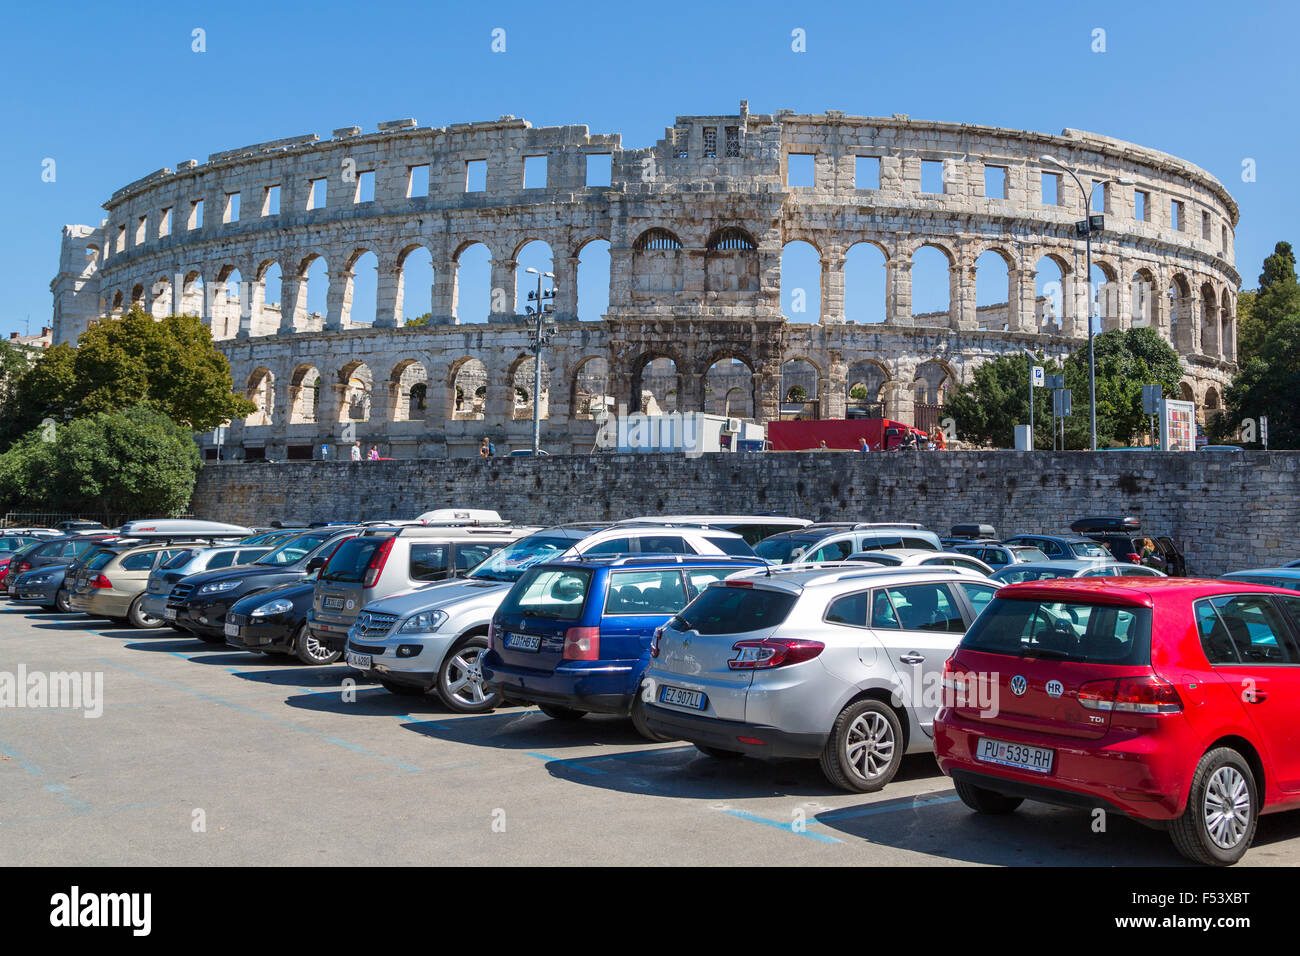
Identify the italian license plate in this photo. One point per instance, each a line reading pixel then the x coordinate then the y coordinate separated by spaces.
pixel 681 697
pixel 1020 756
pixel 169 613
pixel 361 662
pixel 232 630
pixel 332 603
pixel 524 642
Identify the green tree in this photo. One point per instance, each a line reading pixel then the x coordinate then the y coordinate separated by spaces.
pixel 1126 360
pixel 15 360
pixel 987 409
pixel 133 462
pixel 170 364
pixel 1277 298
pixel 419 319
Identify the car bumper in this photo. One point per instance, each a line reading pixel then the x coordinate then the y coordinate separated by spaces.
pixel 1145 776
pixel 206 618
pixel 601 687
pixel 726 734
pixel 333 634
pixel 155 605
pixel 419 670
pixel 42 594
pixel 276 635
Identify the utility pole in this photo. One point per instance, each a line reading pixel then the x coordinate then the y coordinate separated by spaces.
pixel 541 335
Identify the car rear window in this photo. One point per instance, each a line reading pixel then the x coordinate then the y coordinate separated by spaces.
pixel 723 609
pixel 139 562
pixel 293 550
pixel 348 565
pixel 736 547
pixel 780 549
pixel 99 560
pixel 1090 550
pixel 176 561
pixel 557 594
pixel 1014 575
pixel 1070 631
pixel 512 561
pixel 645 592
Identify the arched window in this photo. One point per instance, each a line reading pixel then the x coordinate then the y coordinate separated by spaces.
pixel 731 238
pixel 658 240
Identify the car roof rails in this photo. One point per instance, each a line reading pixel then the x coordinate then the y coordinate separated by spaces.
pixel 910 525
pixel 827 572
pixel 632 559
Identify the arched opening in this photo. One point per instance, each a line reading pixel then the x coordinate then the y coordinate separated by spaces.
pixel 930 388
pixel 471 297
pixel 1049 296
pixel 357 383
pixel 864 283
pixel 1180 315
pixel 865 390
pixel 407 386
pixel 161 306
pixel 658 264
pixel 361 294
pixel 414 285
pixel 260 390
pixel 266 321
pixel 657 385
pixel 137 295
pixel 593 280
pixel 801 279
pixel 304 391
pixel 931 289
pixel 800 394
pixel 729 389
pixel 591 393
pixel 993 292
pixel 467 390
pixel 1142 299
pixel 522 388
pixel 117 300
pixel 229 308
pixel 192 293
pixel 731 261
pixel 534 254
pixel 1104 290
pixel 1227 329
pixel 1209 320
pixel 315 303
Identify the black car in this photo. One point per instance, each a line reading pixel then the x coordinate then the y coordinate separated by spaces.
pixel 198 603
pixel 1124 539
pixel 52 551
pixel 275 622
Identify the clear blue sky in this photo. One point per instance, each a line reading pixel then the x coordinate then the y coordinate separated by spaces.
pixel 113 91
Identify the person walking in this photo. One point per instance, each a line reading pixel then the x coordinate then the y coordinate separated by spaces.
pixel 356 451
pixel 485 448
pixel 863 445
pixel 374 453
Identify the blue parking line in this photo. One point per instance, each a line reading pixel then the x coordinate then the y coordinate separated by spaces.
pixel 871 811
pixel 787 827
pixel 59 790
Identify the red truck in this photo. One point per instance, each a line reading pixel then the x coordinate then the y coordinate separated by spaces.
pixel 881 434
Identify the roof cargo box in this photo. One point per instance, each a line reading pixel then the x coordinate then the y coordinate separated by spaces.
pixel 1103 523
pixel 973 531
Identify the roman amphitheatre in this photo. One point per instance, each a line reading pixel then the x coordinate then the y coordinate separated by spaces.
pixel 692 230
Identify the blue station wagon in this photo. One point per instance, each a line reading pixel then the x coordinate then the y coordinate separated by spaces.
pixel 573 635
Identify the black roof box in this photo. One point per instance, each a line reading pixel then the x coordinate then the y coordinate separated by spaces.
pixel 1105 523
pixel 973 531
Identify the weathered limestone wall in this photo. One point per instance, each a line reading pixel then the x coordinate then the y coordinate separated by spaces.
pixel 1227 511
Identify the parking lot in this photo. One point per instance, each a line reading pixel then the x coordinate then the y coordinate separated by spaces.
pixel 204 755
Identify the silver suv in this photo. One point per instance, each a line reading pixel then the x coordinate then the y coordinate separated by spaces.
pixel 836 662
pixel 431 640
pixel 835 541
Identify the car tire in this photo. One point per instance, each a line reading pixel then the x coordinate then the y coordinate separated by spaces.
pixel 63 601
pixel 989 802
pixel 1218 824
pixel 460 683
pixel 556 712
pixel 401 690
pixel 138 618
pixel 638 721
pixel 717 753
pixel 866 733
pixel 311 651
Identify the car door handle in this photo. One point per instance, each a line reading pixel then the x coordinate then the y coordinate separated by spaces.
pixel 1257 697
pixel 912 658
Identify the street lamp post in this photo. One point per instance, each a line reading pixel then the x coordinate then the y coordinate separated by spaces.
pixel 540 336
pixel 1032 359
pixel 1086 227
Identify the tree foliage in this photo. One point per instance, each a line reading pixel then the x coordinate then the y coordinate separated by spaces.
pixel 987 410
pixel 136 461
pixel 1277 298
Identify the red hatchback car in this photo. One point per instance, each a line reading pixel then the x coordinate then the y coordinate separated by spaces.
pixel 1174 701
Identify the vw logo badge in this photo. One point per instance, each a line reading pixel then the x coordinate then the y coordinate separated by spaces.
pixel 1019 685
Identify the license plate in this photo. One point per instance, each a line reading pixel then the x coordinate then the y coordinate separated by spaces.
pixel 232 630
pixel 1037 759
pixel 681 697
pixel 332 603
pixel 169 613
pixel 524 642
pixel 361 662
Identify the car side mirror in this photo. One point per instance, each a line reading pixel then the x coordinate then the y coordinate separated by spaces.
pixel 315 564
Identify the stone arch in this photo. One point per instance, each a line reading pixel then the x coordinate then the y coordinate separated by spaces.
pixel 360 298
pixel 192 292
pixel 1052 299
pixel 731 261
pixel 993 308
pixel 1209 320
pixel 865 284
pixel 800 388
pixel 356 391
pixel 521 381
pixel 312 305
pixel 729 384
pixel 304 394
pixel 658 263
pixel 466 389
pixel 931 272
pixel 118 300
pixel 801 292
pixel 268 297
pixel 591 397
pixel 160 297
pixel 1180 314
pixel 936 377
pixel 472 260
pixel 413 272
pixel 591 275
pixel 1143 301
pixel 260 390
pixel 865 385
pixel 537 254
pixel 1227 328
pixel 656 382
pixel 408 391
pixel 1104 291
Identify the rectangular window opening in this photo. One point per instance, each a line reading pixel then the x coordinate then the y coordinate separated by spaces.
pixel 800 171
pixel 534 172
pixel 417 182
pixel 931 176
pixel 475 175
pixel 995 182
pixel 317 189
pixel 365 186
pixel 866 172
pixel 1051 189
pixel 600 169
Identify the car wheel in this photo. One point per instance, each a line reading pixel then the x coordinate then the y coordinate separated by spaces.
pixel 402 690
pixel 62 601
pixel 865 747
pixel 986 801
pixel 139 618
pixel 460 679
pixel 638 721
pixel 311 651
pixel 556 712
pixel 717 753
pixel 1219 823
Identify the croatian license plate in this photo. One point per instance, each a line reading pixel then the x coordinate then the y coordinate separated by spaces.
pixel 332 603
pixel 524 642
pixel 169 613
pixel 1020 756
pixel 232 630
pixel 681 697
pixel 361 662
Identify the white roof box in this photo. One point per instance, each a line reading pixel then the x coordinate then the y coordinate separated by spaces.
pixel 453 517
pixel 181 528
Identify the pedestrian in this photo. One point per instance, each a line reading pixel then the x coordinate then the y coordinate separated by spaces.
pixel 1150 555
pixel 374 453
pixel 862 445
pixel 484 448
pixel 356 451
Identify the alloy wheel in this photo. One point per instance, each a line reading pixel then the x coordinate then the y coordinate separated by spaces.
pixel 869 745
pixel 1227 807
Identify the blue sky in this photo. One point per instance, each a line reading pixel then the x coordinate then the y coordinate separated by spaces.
pixel 112 92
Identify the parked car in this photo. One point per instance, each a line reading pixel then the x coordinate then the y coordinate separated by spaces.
pixel 829 663
pixel 1061 547
pixel 1121 537
pixel 111 583
pixel 910 558
pixel 573 636
pixel 753 528
pixel 1287 577
pixel 61 550
pixel 835 541
pixel 270 538
pixel 274 621
pixel 1171 701
pixel 1095 568
pixel 383 561
pixel 998 556
pixel 432 639
pixel 193 561
pixel 47 586
pixel 199 602
pixel 11 544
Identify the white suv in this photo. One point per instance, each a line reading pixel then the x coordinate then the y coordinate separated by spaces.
pixel 838 662
pixel 430 640
pixel 835 541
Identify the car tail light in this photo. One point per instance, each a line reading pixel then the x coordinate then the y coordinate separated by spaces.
pixel 1131 695
pixel 1134 558
pixel 377 561
pixel 582 644
pixel 24 567
pixel 654 642
pixel 772 652
pixel 100 581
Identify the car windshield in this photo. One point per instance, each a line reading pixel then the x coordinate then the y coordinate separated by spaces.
pixel 556 594
pixel 1069 631
pixel 723 609
pixel 1089 549
pixel 781 548
pixel 1014 575
pixel 293 550
pixel 512 561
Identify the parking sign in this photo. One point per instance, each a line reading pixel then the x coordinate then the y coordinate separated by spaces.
pixel 1038 376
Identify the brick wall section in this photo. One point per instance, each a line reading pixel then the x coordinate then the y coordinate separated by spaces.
pixel 1227 511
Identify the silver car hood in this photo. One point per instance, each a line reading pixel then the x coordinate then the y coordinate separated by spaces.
pixel 463 594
